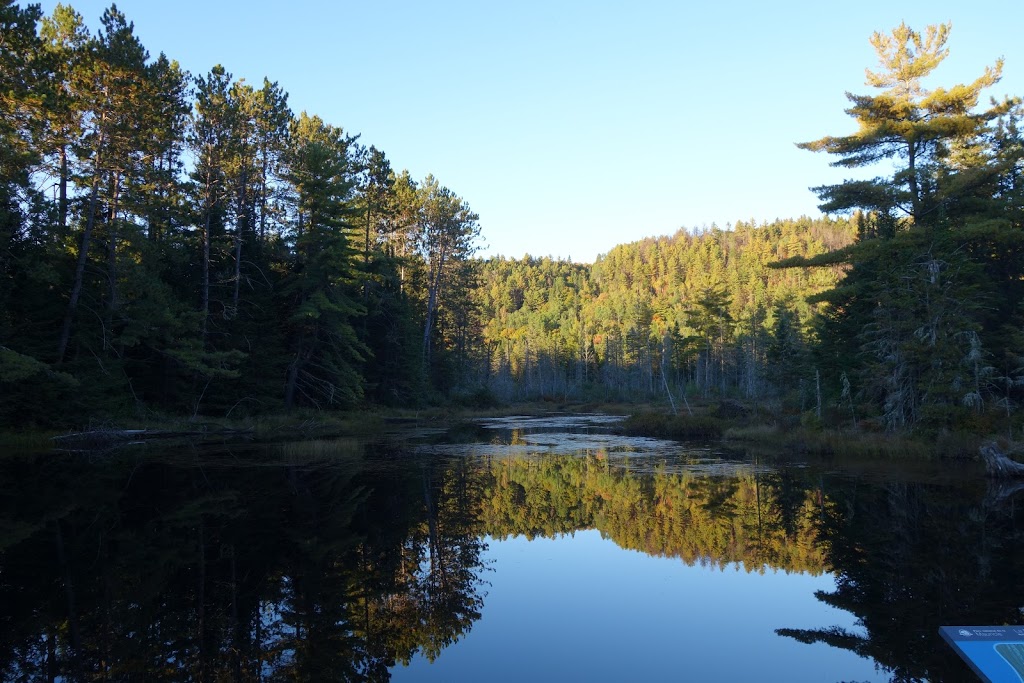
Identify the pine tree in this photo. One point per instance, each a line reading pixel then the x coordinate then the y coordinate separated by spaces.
pixel 210 140
pixel 113 85
pixel 921 129
pixel 66 42
pixel 915 300
pixel 325 353
pixel 447 229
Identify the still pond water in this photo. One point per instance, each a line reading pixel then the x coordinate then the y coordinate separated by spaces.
pixel 513 549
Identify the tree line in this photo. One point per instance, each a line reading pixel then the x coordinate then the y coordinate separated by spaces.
pixel 188 243
pixel 698 313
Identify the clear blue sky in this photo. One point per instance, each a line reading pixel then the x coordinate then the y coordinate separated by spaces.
pixel 571 127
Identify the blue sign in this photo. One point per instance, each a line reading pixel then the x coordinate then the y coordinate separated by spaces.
pixel 996 653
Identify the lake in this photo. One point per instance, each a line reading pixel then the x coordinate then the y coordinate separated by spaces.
pixel 509 549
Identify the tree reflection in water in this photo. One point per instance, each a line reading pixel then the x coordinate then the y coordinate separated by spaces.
pixel 302 567
pixel 330 561
pixel 912 557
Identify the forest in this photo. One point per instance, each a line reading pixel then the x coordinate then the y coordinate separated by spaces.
pixel 186 244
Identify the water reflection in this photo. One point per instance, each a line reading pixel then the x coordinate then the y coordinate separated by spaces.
pixel 910 557
pixel 330 560
pixel 282 567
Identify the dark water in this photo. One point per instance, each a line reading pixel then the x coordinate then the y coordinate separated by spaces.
pixel 511 550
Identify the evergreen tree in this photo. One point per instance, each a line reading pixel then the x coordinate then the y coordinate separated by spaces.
pixel 115 93
pixel 325 353
pixel 446 231
pixel 921 129
pixel 65 41
pixel 210 141
pixel 915 305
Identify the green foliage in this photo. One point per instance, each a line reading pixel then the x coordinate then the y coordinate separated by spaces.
pixel 929 298
pixel 293 265
pixel 30 391
pixel 290 266
pixel 480 399
pixel 691 313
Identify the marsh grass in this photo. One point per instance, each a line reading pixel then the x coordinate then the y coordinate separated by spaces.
pixel 761 430
pixel 768 433
pixel 851 443
pixel 673 426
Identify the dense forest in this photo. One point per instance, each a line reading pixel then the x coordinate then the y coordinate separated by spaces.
pixel 700 312
pixel 185 244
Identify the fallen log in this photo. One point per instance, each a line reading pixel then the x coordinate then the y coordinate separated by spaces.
pixel 998 465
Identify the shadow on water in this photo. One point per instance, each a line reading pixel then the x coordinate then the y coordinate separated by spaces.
pixel 255 566
pixel 912 556
pixel 336 560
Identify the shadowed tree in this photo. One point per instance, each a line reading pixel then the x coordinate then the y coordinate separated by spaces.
pixel 318 291
pixel 116 96
pixel 210 137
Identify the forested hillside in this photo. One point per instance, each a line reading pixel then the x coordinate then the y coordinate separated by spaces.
pixel 699 311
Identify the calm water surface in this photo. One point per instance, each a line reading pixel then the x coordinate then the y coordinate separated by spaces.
pixel 508 550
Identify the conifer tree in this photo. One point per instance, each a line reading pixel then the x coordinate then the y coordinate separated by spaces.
pixel 914 305
pixel 272 119
pixel 210 138
pixel 325 353
pixel 921 129
pixel 115 96
pixel 23 76
pixel 447 229
pixel 65 41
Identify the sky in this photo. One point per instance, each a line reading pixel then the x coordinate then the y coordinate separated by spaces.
pixel 573 126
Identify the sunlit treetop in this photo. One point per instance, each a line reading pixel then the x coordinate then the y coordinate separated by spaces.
pixel 906 121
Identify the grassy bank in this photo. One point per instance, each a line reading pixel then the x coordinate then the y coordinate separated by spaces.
pixel 666 426
pixel 753 428
pixel 763 430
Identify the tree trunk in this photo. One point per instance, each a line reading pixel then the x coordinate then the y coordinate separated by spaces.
pixel 206 272
pixel 915 199
pixel 263 203
pixel 63 198
pixel 240 227
pixel 292 378
pixel 76 287
pixel 432 296
pixel 112 304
